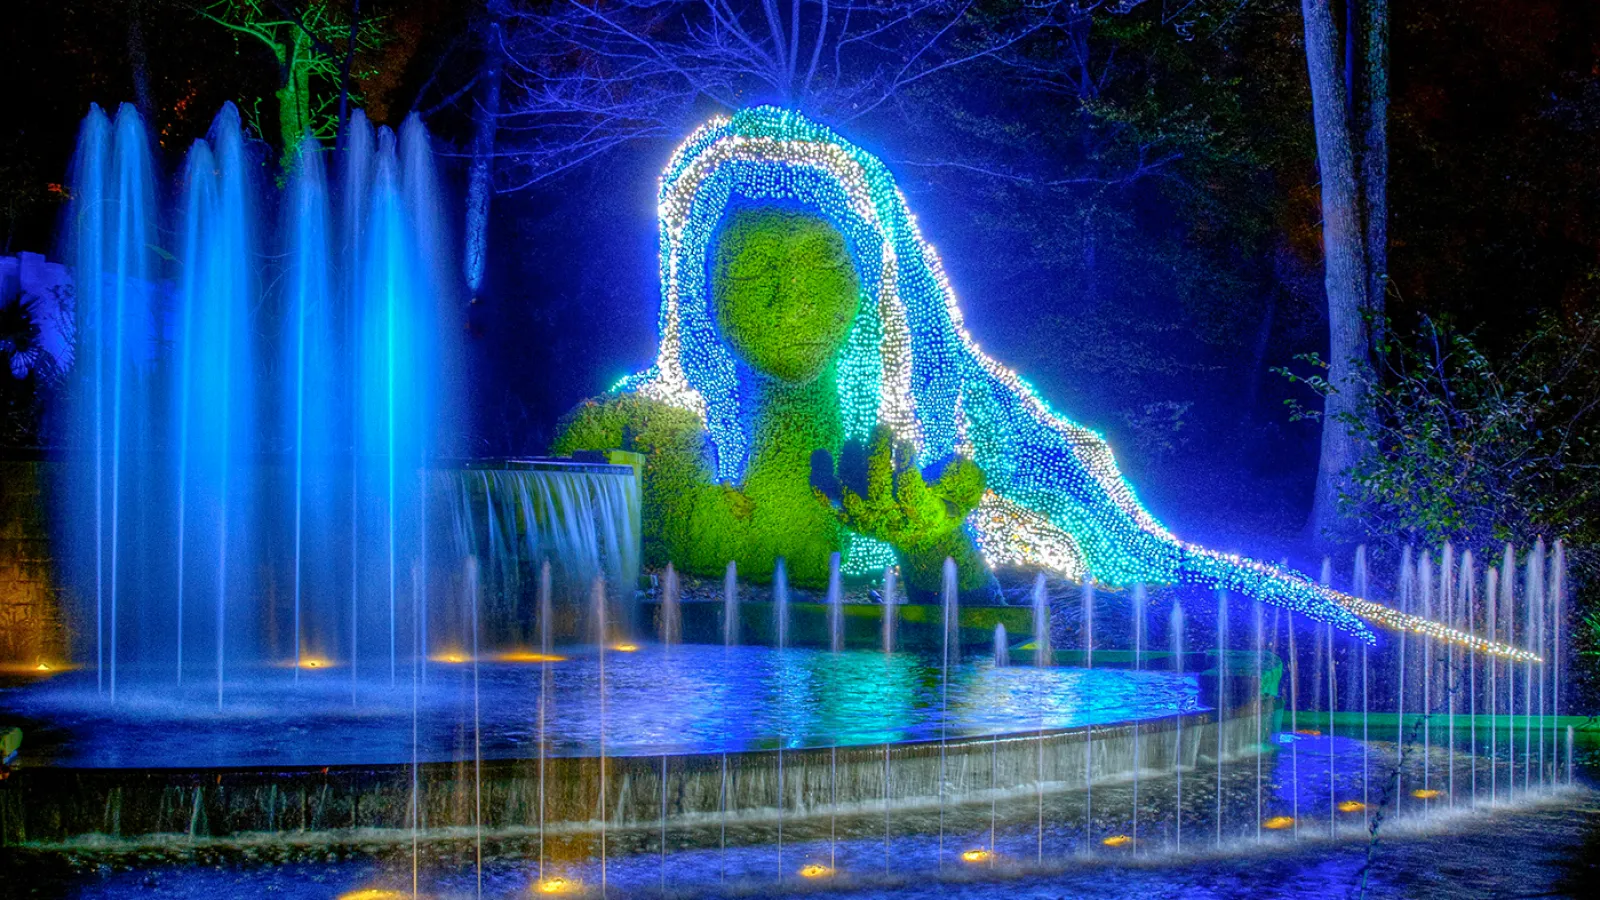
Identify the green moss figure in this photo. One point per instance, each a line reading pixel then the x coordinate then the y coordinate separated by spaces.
pixel 785 294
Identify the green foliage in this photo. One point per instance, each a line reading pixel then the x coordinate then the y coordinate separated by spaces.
pixel 922 520
pixel 784 291
pixel 1474 447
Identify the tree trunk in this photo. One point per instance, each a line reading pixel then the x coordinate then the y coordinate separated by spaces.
pixel 1344 262
pixel 294 96
pixel 1375 161
pixel 344 74
pixel 480 176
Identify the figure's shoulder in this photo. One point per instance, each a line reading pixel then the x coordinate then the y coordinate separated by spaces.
pixel 624 419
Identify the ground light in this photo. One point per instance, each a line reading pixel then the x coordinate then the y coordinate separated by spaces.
pixel 527 656
pixel 977 856
pixel 1277 823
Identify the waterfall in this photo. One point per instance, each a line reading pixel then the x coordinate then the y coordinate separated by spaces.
pixel 572 524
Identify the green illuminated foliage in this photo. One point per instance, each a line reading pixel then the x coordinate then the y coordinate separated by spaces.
pixel 785 294
pixel 784 291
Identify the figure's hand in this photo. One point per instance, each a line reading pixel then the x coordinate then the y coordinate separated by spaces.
pixel 897 504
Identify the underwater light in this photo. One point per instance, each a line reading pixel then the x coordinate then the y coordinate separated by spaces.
pixel 554 886
pixel 625 648
pixel 1352 806
pixel 314 662
pixel 1426 793
pixel 816 870
pixel 373 894
pixel 42 667
pixel 452 657
pixel 527 656
pixel 1117 840
pixel 1309 732
pixel 1278 822
pixel 977 856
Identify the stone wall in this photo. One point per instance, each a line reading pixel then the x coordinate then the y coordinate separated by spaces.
pixel 32 626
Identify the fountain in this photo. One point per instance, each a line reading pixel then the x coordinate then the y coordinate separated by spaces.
pixel 320 623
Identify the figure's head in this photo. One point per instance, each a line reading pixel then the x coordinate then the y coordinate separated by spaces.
pixel 784 291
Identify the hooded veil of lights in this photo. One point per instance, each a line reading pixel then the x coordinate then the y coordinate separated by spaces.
pixel 1055 497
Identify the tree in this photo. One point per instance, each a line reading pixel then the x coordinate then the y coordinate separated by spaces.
pixel 313 73
pixel 1353 209
pixel 1477 446
pixel 589 76
pixel 480 172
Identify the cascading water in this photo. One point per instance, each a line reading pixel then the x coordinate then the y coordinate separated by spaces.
pixel 519 517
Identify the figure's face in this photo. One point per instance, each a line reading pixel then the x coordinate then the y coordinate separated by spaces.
pixel 784 291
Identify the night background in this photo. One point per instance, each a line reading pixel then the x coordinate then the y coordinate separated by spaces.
pixel 1127 205
pixel 1323 274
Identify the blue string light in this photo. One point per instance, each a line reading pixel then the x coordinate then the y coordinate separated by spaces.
pixel 1055 497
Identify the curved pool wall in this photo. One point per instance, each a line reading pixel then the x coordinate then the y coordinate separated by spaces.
pixel 46 806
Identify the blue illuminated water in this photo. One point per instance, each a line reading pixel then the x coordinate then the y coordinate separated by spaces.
pixel 678 699
pixel 264 381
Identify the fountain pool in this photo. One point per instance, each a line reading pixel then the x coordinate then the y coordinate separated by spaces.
pixel 677 700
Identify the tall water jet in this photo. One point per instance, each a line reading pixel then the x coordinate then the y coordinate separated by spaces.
pixel 1222 678
pixel 1002 646
pixel 730 605
pixel 1491 594
pixel 1087 598
pixel 1361 584
pixel 1467 595
pixel 890 614
pixel 109 242
pixel 780 602
pixel 1508 596
pixel 1137 608
pixel 950 626
pixel 1428 705
pixel 835 602
pixel 1533 639
pixel 1043 653
pixel 1558 633
pixel 312 412
pixel 1175 636
pixel 671 607
pixel 199 202
pixel 547 615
